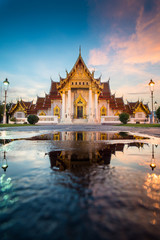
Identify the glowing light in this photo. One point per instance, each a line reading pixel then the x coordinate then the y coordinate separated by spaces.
pixel 151 83
pixel 153 166
pixel 4 166
pixel 152 186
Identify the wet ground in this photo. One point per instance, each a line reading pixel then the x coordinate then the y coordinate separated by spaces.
pixel 76 184
pixel 149 131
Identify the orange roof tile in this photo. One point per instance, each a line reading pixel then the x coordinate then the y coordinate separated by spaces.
pixel 106 93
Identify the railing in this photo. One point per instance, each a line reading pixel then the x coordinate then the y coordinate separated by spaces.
pixel 55 120
pixel 139 120
pixel 109 119
pixel 115 119
pixel 47 119
pixel 18 121
pixel 42 120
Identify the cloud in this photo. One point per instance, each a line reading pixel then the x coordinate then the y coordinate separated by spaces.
pixel 97 57
pixel 142 46
pixel 42 69
pixel 28 87
pixel 139 91
pixel 133 59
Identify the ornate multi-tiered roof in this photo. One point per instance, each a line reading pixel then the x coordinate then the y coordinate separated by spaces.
pixel 79 77
pixel 26 107
pixel 80 69
pixel 133 107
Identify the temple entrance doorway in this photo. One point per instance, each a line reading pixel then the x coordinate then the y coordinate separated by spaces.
pixel 79 111
pixel 80 108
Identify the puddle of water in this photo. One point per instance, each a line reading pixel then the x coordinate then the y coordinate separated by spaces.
pixel 80 185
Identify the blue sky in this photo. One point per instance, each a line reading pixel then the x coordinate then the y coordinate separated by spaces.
pixel 120 39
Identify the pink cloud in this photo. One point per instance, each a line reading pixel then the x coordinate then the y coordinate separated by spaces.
pixel 143 45
pixel 139 91
pixel 131 61
pixel 97 57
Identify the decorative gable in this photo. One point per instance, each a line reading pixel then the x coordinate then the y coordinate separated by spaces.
pixel 141 108
pixel 80 77
pixel 80 101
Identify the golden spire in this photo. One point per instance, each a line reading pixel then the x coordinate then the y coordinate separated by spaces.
pixel 80 50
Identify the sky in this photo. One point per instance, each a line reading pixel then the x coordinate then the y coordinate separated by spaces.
pixel 119 39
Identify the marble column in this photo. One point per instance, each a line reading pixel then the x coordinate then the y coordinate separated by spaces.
pixel 63 106
pixel 96 106
pixel 69 104
pixel 90 105
pixel 108 113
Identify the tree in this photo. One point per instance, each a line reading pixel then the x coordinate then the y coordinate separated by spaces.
pixel 8 106
pixel 158 113
pixel 1 112
pixel 124 117
pixel 13 119
pixel 33 119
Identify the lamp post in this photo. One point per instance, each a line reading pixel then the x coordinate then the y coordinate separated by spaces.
pixel 155 104
pixel 6 84
pixel 4 160
pixel 151 85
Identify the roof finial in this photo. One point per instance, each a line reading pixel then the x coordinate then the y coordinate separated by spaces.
pixel 66 72
pixel 80 50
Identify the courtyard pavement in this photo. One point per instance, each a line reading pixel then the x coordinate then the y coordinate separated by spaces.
pixel 155 132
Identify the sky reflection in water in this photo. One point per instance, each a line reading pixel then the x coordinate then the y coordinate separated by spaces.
pixel 92 185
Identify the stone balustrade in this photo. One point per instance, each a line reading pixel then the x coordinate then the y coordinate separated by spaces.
pixel 42 120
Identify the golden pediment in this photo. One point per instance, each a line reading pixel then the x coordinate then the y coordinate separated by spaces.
pixel 20 109
pixel 139 109
pixel 81 75
pixel 80 101
pixel 80 69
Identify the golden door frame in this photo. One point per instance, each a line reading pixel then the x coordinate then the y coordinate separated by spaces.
pixel 80 101
pixel 56 111
pixel 103 111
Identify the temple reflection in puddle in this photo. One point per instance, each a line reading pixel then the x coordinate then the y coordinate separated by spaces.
pixel 86 136
pixel 104 181
pixel 87 148
pixel 75 158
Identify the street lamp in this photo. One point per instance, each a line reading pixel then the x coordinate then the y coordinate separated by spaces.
pixel 153 163
pixel 155 104
pixel 4 160
pixel 6 84
pixel 151 85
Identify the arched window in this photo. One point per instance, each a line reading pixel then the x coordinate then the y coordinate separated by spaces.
pixel 56 137
pixel 103 136
pixel 56 111
pixel 103 111
pixel 42 113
